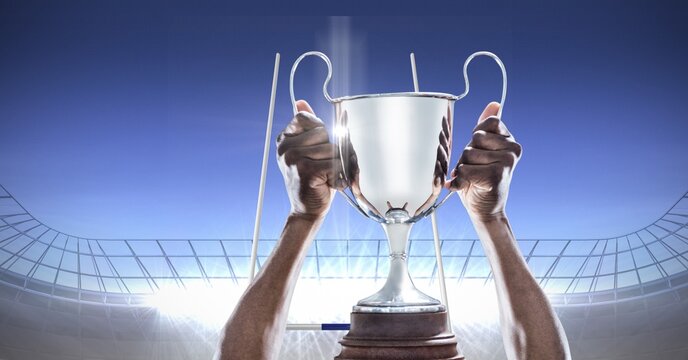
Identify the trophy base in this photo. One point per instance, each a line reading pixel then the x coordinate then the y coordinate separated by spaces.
pixel 398 309
pixel 399 336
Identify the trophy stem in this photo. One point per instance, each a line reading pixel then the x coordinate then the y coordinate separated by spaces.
pixel 399 294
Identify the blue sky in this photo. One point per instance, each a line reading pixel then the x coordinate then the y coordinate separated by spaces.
pixel 139 123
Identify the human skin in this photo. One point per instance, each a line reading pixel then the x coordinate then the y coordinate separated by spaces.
pixel 530 328
pixel 307 160
pixel 310 167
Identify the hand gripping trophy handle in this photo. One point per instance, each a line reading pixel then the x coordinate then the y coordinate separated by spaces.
pixel 349 198
pixel 465 92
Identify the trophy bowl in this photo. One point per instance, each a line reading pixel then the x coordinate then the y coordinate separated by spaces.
pixel 394 150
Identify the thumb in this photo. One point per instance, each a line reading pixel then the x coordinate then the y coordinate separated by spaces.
pixel 302 105
pixel 492 109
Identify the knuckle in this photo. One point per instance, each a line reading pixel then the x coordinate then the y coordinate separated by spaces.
pixel 291 156
pixel 454 185
pixel 493 122
pixel 479 136
pixel 281 149
pixel 518 149
pixel 320 132
pixel 465 155
pixel 301 116
pixel 461 171
pixel 280 137
pixel 294 120
pixel 293 128
pixel 510 159
pixel 306 117
pixel 302 166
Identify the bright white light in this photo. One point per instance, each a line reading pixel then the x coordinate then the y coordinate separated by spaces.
pixel 331 300
pixel 320 301
pixel 473 302
pixel 204 304
pixel 328 300
pixel 340 131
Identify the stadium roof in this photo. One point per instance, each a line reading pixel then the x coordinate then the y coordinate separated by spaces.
pixel 45 261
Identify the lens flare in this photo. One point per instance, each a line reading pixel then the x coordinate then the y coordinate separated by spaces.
pixel 339 131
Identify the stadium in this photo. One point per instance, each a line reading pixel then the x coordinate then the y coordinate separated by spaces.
pixel 68 297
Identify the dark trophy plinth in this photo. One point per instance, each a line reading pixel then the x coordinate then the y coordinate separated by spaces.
pixel 399 336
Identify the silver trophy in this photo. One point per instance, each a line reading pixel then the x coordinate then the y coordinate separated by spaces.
pixel 395 151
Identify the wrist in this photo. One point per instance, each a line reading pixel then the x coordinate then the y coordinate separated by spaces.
pixel 496 217
pixel 300 230
pixel 493 230
pixel 307 218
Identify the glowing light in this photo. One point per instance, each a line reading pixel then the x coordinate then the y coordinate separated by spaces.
pixel 209 306
pixel 331 300
pixel 473 302
pixel 340 131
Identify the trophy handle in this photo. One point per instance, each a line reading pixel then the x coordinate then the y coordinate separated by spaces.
pixel 467 83
pixel 350 199
pixel 327 79
pixel 501 66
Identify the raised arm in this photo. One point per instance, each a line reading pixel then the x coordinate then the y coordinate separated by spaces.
pixel 306 158
pixel 530 328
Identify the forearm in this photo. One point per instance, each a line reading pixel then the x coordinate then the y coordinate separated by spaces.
pixel 530 328
pixel 255 329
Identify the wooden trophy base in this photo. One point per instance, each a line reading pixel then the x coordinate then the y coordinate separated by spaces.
pixel 399 336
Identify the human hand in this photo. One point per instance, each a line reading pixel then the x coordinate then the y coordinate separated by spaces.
pixel 483 173
pixel 309 164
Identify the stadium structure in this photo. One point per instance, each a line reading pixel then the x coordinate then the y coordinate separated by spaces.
pixel 67 297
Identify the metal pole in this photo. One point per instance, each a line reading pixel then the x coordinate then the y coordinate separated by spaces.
pixel 433 217
pixel 264 170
